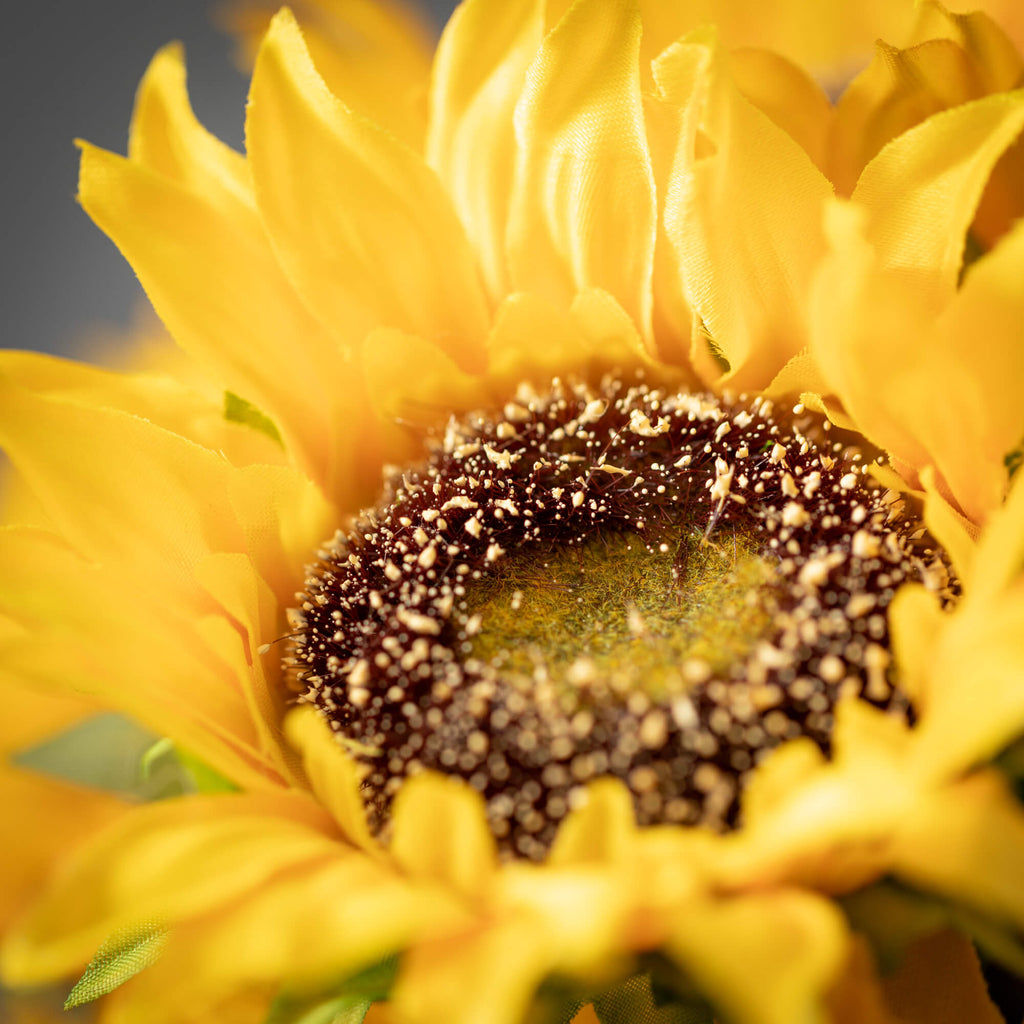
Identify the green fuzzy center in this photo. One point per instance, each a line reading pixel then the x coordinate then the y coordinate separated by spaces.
pixel 624 611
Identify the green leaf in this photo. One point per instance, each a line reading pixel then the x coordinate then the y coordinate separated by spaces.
pixel 1011 763
pixel 345 1002
pixel 104 752
pixel 238 410
pixel 637 1000
pixel 1012 461
pixel 634 1002
pixel 192 775
pixel 121 957
pixel 343 1010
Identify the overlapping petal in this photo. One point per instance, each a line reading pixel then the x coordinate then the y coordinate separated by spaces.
pixel 571 214
pixel 743 214
pixel 583 207
pixel 310 155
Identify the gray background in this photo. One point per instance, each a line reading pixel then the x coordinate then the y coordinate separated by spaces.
pixel 69 68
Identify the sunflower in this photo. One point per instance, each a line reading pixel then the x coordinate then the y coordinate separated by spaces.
pixel 622 262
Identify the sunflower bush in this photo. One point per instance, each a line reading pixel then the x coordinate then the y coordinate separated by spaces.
pixel 418 261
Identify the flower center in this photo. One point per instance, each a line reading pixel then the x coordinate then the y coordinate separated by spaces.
pixel 623 581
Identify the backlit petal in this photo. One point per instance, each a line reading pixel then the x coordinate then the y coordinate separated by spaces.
pixel 394 256
pixel 478 74
pixel 583 207
pixel 166 862
pixel 763 958
pixel 440 833
pixel 743 214
pixel 922 189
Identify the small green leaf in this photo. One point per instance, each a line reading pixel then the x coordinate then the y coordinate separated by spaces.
pixel 634 1001
pixel 345 1002
pixel 238 410
pixel 190 774
pixel 343 1010
pixel 1012 461
pixel 121 957
pixel 973 251
pixel 1011 763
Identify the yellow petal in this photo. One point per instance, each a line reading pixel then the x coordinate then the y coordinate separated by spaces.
pixel 195 412
pixel 788 95
pixel 455 980
pixel 254 615
pixel 899 89
pixel 877 344
pixel 1000 553
pixel 534 340
pixel 916 622
pixel 222 296
pixel 358 911
pixel 966 844
pixel 169 493
pixel 414 383
pixel 333 775
pixel 763 958
pixel 440 833
pixel 310 155
pixel 977 362
pixel 213 278
pixel 611 336
pixel 138 671
pixel 374 55
pixel 603 829
pixel 922 189
pixel 969 723
pixel 743 214
pixel 478 74
pixel 982 35
pixel 583 206
pixel 167 138
pixel 165 862
pixel 43 819
pixel 957 534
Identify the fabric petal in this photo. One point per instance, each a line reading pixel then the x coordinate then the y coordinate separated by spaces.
pixel 44 818
pixel 763 958
pixel 440 833
pixel 454 980
pixel 583 206
pixel 165 862
pixel 788 95
pixel 922 189
pixel 167 138
pixel 743 214
pixel 310 155
pixel 374 55
pixel 479 71
pixel 978 361
pixel 966 844
pixel 333 775
pixel 213 278
pixel 532 339
pixel 358 911
pixel 412 382
pixel 899 89
pixel 195 412
pixel 168 672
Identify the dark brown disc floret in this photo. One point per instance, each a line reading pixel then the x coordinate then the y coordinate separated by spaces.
pixel 618 581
